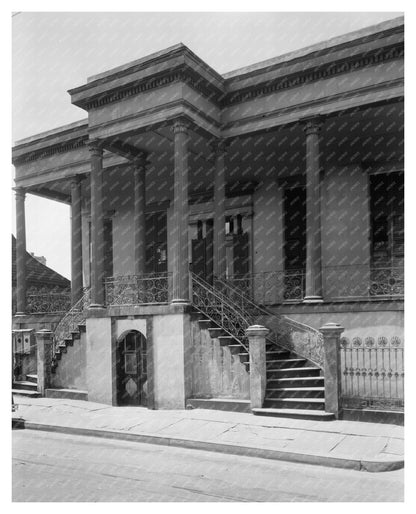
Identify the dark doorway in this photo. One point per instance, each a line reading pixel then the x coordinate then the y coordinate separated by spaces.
pixel 156 242
pixel 203 251
pixel 132 369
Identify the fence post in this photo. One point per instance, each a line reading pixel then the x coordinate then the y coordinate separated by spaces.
pixel 332 367
pixel 257 348
pixel 44 342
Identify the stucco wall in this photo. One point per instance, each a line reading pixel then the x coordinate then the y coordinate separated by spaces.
pixel 171 348
pixel 100 358
pixel 71 370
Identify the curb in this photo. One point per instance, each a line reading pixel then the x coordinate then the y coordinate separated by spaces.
pixel 373 466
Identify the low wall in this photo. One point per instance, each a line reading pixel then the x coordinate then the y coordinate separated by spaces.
pixel 71 370
pixel 216 372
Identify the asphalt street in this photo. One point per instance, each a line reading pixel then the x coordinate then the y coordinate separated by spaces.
pixel 52 467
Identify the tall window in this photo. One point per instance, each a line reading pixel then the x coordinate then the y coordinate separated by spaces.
pixel 387 219
pixel 295 228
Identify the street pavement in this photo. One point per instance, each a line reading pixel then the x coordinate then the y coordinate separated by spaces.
pixel 354 445
pixel 54 467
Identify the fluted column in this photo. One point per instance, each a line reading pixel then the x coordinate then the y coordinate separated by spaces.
pixel 180 214
pixel 219 210
pixel 97 226
pixel 76 241
pixel 139 214
pixel 313 281
pixel 20 251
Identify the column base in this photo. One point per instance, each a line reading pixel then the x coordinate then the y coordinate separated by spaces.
pixel 313 299
pixel 180 301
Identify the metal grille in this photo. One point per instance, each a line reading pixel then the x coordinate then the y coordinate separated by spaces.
pixel 372 373
pixel 138 289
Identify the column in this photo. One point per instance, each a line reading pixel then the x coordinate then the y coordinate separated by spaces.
pixel 44 346
pixel 139 214
pixel 76 241
pixel 257 348
pixel 180 214
pixel 97 226
pixel 219 210
pixel 313 282
pixel 332 367
pixel 20 251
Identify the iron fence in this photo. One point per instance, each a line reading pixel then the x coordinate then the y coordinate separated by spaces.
pixel 138 289
pixel 48 302
pixel 372 373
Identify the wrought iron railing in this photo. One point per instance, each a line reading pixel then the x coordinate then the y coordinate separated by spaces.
pixel 138 289
pixel 271 287
pixel 285 332
pixel 363 281
pixel 216 306
pixel 372 373
pixel 48 302
pixel 74 317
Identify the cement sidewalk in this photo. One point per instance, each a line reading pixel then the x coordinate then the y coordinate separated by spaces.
pixel 345 444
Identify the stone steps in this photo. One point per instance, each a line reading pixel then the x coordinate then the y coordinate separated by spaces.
pixel 295 414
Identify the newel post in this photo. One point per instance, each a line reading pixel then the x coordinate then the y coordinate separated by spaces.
pixel 44 342
pixel 257 348
pixel 332 367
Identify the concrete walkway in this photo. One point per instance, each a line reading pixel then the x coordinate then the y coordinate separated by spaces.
pixel 345 444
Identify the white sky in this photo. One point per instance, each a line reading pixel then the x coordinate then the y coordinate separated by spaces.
pixel 53 52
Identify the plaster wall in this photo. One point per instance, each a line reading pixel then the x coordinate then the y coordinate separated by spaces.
pixel 345 231
pixel 171 351
pixel 71 370
pixel 100 358
pixel 125 325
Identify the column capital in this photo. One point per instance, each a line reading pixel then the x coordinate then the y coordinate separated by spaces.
pixel 95 146
pixel 20 192
pixel 312 125
pixel 76 180
pixel 219 146
pixel 140 160
pixel 180 126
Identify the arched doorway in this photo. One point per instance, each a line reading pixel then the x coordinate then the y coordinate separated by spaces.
pixel 132 369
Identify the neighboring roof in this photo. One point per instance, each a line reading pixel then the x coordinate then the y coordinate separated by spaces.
pixel 37 274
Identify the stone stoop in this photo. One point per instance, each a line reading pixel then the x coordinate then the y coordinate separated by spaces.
pixel 67 394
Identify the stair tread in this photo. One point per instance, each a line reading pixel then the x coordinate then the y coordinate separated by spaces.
pixel 307 388
pixel 298 400
pixel 35 377
pixel 293 379
pixel 287 360
pixel 305 368
pixel 295 412
pixel 24 383
pixel 25 392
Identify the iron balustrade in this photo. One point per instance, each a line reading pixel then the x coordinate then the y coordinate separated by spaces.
pixel 363 281
pixel 138 289
pixel 48 302
pixel 271 287
pixel 305 341
pixel 75 316
pixel 372 373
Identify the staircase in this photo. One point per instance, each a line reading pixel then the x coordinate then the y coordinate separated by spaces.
pixel 69 329
pixel 28 387
pixel 294 357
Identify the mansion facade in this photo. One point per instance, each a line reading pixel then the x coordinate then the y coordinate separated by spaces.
pixel 202 204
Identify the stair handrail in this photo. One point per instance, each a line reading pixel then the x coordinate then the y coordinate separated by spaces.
pixel 283 326
pixel 70 321
pixel 223 312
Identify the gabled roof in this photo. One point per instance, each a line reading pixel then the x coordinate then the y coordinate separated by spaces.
pixel 37 274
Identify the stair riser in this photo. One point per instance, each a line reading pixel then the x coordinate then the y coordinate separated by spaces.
pixel 280 404
pixel 25 387
pixel 289 364
pixel 276 395
pixel 295 382
pixel 292 374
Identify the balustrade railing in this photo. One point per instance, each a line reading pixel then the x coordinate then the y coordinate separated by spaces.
pixel 138 289
pixel 372 373
pixel 74 317
pixel 285 332
pixel 363 281
pixel 271 287
pixel 48 302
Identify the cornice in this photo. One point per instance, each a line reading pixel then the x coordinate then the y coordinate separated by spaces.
pixel 314 74
pixel 52 150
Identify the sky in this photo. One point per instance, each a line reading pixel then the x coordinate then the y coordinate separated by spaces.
pixel 56 51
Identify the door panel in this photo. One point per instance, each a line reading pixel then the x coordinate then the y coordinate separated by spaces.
pixel 132 370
